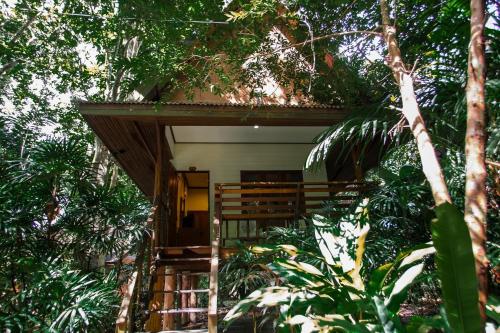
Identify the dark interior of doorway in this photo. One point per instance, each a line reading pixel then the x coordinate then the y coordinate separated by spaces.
pixel 193 226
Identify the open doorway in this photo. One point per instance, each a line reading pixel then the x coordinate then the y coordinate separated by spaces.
pixel 192 208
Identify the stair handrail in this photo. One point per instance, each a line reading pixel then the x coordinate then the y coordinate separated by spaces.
pixel 124 321
pixel 214 269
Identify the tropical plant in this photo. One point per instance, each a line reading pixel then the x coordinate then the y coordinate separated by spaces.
pixel 333 295
pixel 242 273
pixel 53 297
pixel 52 208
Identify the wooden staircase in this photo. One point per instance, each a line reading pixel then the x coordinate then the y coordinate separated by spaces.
pixel 175 305
pixel 175 296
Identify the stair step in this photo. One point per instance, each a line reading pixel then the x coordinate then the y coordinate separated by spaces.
pixel 181 331
pixel 189 247
pixel 182 273
pixel 183 259
pixel 181 310
pixel 182 291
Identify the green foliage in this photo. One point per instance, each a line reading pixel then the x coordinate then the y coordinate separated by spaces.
pixel 56 298
pixel 332 295
pixel 242 273
pixel 400 210
pixel 52 206
pixel 363 127
pixel 456 270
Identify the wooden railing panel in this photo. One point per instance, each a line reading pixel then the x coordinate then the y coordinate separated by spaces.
pixel 259 204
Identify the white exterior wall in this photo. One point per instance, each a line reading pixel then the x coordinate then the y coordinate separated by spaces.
pixel 225 161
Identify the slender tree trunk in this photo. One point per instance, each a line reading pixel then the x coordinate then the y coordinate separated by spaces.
pixel 8 66
pixel 100 161
pixel 23 28
pixel 475 179
pixel 430 164
pixel 114 176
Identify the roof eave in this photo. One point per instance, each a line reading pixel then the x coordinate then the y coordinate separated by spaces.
pixel 218 114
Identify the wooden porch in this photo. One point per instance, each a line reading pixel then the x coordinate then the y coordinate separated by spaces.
pixel 247 210
pixel 244 212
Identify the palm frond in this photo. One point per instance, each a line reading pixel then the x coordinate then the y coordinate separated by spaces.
pixel 360 129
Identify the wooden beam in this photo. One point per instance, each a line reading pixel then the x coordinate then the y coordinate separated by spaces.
pixel 156 302
pixel 213 115
pixel 193 299
pixel 269 216
pixel 143 141
pixel 277 184
pixel 332 188
pixel 157 187
pixel 185 284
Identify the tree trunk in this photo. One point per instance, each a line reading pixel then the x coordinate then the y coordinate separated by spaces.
pixel 475 179
pixel 8 66
pixel 100 161
pixel 430 164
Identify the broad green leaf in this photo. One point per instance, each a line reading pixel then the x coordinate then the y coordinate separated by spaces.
pixel 456 270
pixel 493 308
pixel 405 259
pixel 417 255
pixel 384 316
pixel 326 242
pixel 424 325
pixel 378 278
pixel 357 280
pixel 398 293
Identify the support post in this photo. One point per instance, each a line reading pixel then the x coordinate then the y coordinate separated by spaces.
pixel 185 285
pixel 169 299
pixel 193 302
pixel 214 270
pixel 156 303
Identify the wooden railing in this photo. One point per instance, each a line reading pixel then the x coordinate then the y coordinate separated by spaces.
pixel 125 319
pixel 213 279
pixel 244 210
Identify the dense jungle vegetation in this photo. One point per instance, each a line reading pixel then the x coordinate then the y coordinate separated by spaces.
pixel 65 205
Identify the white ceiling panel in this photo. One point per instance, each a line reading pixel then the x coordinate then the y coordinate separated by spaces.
pixel 245 134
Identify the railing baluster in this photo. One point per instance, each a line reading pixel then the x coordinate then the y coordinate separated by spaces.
pixel 297 205
pixel 248 229
pixel 227 233
pixel 238 229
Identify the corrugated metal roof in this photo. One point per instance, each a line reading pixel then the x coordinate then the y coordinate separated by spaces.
pixel 311 106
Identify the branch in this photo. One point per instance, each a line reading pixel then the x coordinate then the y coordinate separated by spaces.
pixel 493 163
pixel 21 30
pixel 315 39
